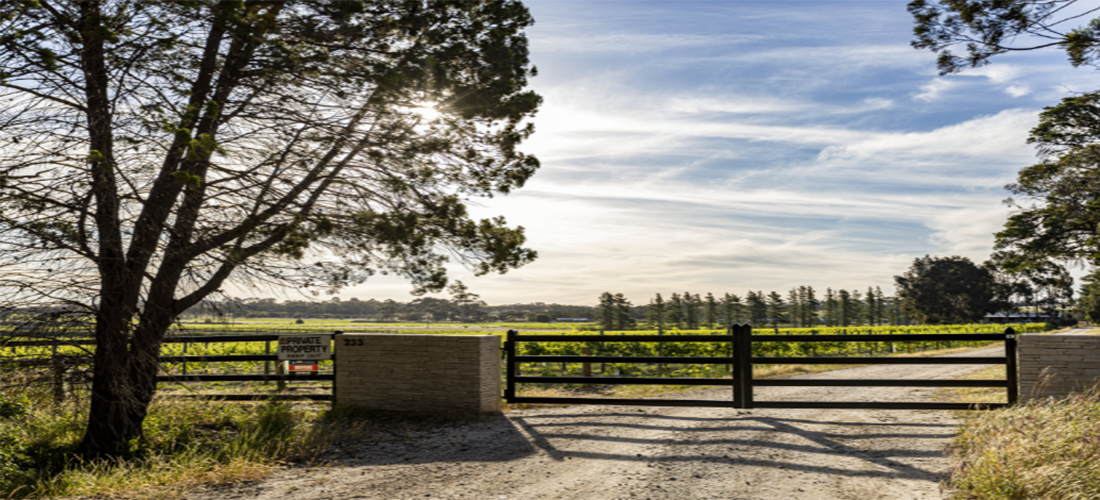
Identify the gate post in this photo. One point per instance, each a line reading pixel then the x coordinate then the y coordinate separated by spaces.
pixel 510 354
pixel 746 365
pixel 735 366
pixel 335 363
pixel 1010 366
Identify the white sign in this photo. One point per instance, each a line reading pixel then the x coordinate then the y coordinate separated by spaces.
pixel 311 347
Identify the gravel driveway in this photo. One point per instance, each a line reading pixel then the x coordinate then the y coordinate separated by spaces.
pixel 618 452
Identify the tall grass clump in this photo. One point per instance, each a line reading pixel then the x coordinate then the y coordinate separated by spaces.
pixel 187 443
pixel 1046 450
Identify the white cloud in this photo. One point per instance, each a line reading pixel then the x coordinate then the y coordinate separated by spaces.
pixel 692 104
pixel 968 231
pixel 996 73
pixel 626 43
pixel 934 90
pixel 1017 90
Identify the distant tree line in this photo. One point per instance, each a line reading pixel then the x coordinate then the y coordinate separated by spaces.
pixel 428 309
pixel 801 308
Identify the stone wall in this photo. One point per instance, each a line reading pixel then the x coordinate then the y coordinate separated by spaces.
pixel 1056 365
pixel 418 373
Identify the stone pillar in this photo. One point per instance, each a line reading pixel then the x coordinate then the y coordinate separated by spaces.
pixel 425 374
pixel 1057 365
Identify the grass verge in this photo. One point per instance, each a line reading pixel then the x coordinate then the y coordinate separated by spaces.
pixel 187 443
pixel 1045 449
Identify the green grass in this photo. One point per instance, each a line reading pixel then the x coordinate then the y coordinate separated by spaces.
pixel 1046 450
pixel 187 443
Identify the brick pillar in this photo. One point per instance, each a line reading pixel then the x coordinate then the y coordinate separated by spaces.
pixel 1057 365
pixel 442 374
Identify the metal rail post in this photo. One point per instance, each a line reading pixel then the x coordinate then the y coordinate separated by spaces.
pixel 335 342
pixel 1010 366
pixel 735 367
pixel 746 366
pixel 510 354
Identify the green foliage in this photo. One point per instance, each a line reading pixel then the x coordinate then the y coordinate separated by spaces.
pixel 1089 303
pixel 614 312
pixel 988 28
pixel 1063 220
pixel 14 406
pixel 946 290
pixel 13 449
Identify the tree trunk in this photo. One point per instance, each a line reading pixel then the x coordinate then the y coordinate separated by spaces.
pixel 110 426
pixel 125 380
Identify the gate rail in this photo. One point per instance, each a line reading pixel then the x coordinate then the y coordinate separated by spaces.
pixel 741 361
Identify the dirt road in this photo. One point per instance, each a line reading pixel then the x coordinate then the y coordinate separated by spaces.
pixel 616 452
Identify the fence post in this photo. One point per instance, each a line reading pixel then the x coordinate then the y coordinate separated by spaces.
pixel 603 351
pixel 335 342
pixel 660 352
pixel 735 365
pixel 746 365
pixel 1010 366
pixel 586 368
pixel 267 364
pixel 510 379
pixel 58 374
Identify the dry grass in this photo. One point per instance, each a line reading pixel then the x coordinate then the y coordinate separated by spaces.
pixel 187 443
pixel 977 394
pixel 1046 450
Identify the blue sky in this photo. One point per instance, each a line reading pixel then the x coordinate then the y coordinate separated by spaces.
pixel 724 146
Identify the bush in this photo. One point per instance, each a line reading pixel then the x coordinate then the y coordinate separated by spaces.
pixel 13 457
pixel 14 406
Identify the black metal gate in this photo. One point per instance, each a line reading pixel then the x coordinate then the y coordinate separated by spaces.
pixel 740 360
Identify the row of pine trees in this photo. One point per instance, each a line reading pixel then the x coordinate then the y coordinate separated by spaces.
pixel 802 308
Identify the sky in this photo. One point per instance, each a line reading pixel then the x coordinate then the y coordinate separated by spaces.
pixel 727 146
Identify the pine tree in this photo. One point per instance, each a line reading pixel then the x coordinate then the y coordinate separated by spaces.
pixel 777 309
pixel 758 310
pixel 794 307
pixel 895 306
pixel 732 309
pixel 655 313
pixel 676 311
pixel 711 308
pixel 832 317
pixel 691 310
pixel 623 307
pixel 809 308
pixel 871 310
pixel 856 315
pixel 880 307
pixel 606 311
pixel 844 306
